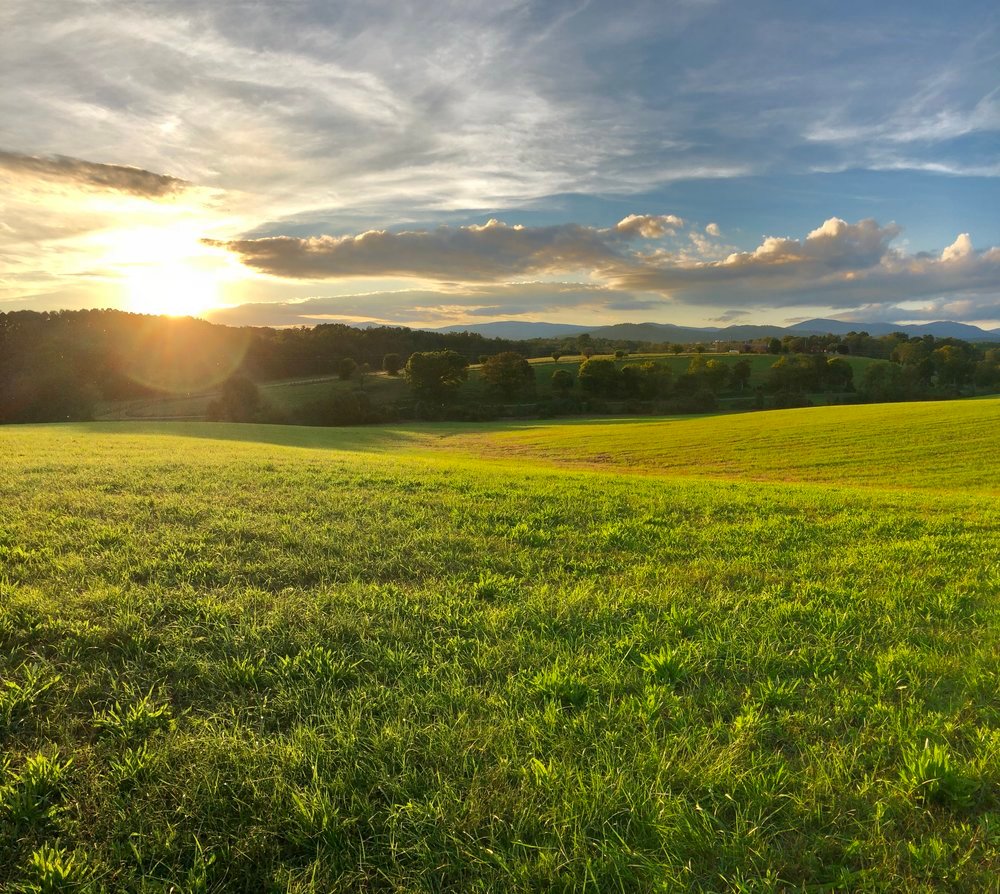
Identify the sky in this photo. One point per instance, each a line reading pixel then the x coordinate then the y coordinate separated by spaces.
pixel 430 164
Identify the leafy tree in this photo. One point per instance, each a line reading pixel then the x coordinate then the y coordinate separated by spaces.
pixel 239 401
pixel 599 376
pixel 657 380
pixel 620 354
pixel 509 374
pixel 556 355
pixel 953 365
pixel 740 374
pixel 562 382
pixel 839 375
pixel 716 375
pixel 885 381
pixel 774 346
pixel 392 364
pixel 345 368
pixel 436 374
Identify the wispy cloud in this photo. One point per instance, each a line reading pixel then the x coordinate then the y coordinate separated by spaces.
pixel 90 175
pixel 301 119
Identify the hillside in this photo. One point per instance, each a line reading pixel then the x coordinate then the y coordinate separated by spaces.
pixel 439 657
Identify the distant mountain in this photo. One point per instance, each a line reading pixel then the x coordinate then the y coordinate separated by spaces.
pixel 650 332
pixel 519 330
pixel 939 329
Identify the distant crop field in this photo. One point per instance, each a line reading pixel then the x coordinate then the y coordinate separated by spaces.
pixel 444 658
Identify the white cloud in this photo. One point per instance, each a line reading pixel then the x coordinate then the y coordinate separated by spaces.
pixel 713 230
pixel 959 250
pixel 838 264
pixel 649 226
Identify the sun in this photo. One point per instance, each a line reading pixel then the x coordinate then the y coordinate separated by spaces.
pixel 175 289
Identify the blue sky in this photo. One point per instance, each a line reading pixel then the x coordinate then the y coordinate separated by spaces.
pixel 688 162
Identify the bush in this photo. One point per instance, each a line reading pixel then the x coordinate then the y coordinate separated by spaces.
pixel 342 408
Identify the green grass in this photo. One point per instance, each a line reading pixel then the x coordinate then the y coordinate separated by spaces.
pixel 256 658
pixel 943 444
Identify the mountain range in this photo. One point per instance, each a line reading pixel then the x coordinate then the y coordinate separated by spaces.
pixel 666 332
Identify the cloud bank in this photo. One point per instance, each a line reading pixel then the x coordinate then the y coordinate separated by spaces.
pixel 837 265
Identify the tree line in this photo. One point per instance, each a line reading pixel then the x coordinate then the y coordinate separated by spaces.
pixel 59 365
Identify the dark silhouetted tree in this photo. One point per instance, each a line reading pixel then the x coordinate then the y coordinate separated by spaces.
pixel 562 382
pixel 599 376
pixel 345 368
pixel 436 374
pixel 509 375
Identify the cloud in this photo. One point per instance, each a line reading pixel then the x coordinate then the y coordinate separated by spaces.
pixel 730 315
pixel 478 253
pixel 713 230
pixel 649 226
pixel 838 264
pixel 91 175
pixel 959 250
pixel 835 245
pixel 432 306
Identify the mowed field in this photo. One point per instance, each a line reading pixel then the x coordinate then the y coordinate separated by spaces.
pixel 753 653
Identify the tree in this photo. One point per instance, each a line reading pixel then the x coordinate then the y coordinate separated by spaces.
pixel 392 363
pixel 239 401
pixel 436 374
pixel 716 375
pixel 556 355
pixel 839 375
pixel 774 346
pixel 599 376
pixel 509 374
pixel 620 354
pixel 562 382
pixel 740 374
pixel 953 365
pixel 587 352
pixel 885 381
pixel 345 368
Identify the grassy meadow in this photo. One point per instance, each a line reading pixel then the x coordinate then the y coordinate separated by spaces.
pixel 720 654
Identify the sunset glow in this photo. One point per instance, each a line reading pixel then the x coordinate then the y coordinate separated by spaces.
pixel 564 162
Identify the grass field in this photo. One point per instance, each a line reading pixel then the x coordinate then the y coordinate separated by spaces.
pixel 753 653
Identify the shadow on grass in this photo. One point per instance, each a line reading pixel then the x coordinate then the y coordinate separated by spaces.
pixel 385 437
pixel 364 438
